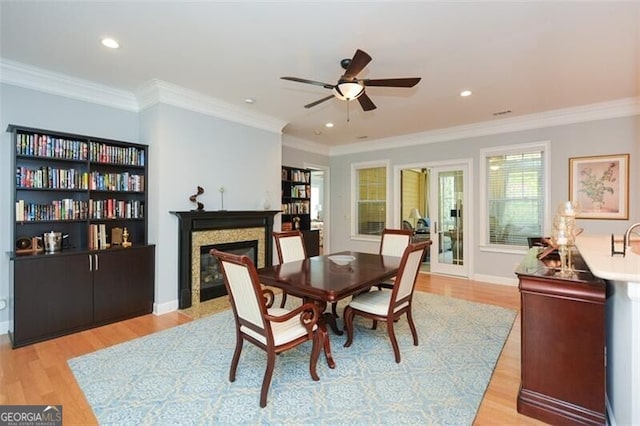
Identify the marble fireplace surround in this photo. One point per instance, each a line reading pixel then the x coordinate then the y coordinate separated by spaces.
pixel 200 228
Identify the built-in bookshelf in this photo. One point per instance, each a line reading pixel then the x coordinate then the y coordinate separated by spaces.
pixel 296 206
pixel 296 198
pixel 68 182
pixel 93 193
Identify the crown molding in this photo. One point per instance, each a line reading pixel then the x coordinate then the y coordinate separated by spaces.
pixel 157 91
pixel 305 145
pixel 28 77
pixel 625 107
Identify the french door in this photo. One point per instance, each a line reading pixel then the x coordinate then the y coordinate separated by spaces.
pixel 448 193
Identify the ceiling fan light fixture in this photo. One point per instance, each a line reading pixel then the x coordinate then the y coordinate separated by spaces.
pixel 348 90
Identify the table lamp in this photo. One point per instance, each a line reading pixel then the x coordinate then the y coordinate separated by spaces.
pixel 415 215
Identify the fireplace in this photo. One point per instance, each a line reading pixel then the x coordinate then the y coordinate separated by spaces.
pixel 211 280
pixel 198 230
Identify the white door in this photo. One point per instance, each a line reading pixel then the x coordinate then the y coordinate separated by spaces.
pixel 449 195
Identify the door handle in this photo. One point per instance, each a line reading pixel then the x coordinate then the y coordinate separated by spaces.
pixel 90 263
pixel 97 267
pixel 435 227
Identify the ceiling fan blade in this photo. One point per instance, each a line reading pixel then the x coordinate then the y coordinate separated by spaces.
pixel 312 104
pixel 358 62
pixel 304 80
pixel 391 82
pixel 366 103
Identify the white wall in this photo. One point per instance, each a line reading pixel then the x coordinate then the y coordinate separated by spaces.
pixel 186 149
pixel 40 110
pixel 610 136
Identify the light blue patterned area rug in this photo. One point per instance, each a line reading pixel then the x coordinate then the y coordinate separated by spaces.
pixel 180 375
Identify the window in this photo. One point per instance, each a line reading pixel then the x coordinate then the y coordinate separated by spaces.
pixel 370 192
pixel 514 184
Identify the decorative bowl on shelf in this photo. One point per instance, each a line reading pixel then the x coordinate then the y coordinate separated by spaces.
pixel 341 260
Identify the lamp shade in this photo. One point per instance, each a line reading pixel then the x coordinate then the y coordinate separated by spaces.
pixel 348 90
pixel 415 214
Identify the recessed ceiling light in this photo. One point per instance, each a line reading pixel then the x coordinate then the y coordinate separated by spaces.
pixel 110 43
pixel 328 125
pixel 249 100
pixel 465 93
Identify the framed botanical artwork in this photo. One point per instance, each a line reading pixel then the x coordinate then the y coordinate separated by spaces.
pixel 601 185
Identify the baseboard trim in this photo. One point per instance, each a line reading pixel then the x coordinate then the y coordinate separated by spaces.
pixel 494 279
pixel 164 308
pixel 4 327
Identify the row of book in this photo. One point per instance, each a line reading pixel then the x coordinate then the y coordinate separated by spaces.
pixel 103 153
pixel 97 236
pixel 46 177
pixel 300 191
pixel 300 207
pixel 37 145
pixel 116 209
pixel 51 178
pixel 50 146
pixel 116 182
pixel 296 175
pixel 68 209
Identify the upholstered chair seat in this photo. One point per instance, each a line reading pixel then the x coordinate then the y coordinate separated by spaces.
pixel 283 332
pixel 375 302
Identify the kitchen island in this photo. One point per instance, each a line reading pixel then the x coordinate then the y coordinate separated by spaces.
pixel 622 275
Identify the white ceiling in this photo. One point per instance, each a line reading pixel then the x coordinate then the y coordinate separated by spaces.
pixel 527 57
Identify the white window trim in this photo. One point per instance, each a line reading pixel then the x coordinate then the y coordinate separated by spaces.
pixel 506 150
pixel 354 190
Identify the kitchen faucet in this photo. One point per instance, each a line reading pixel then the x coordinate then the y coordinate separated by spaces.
pixel 627 235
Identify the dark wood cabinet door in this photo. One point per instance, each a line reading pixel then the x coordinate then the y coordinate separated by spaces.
pixel 53 296
pixel 123 283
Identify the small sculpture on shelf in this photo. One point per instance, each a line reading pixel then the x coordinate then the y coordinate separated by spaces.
pixel 125 238
pixel 200 191
pixel 221 189
pixel 296 223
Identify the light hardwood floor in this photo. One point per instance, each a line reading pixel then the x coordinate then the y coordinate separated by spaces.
pixel 38 374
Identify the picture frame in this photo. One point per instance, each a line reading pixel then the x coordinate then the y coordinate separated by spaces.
pixel 600 183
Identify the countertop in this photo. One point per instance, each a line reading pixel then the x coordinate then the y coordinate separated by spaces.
pixel 596 252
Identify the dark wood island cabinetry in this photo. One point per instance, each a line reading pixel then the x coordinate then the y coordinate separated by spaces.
pixel 563 344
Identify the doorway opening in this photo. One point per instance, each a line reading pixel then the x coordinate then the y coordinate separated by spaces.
pixel 320 204
pixel 431 202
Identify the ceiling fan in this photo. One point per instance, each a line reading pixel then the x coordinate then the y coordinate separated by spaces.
pixel 349 87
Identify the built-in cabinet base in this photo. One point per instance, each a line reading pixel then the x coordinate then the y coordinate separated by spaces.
pixel 62 293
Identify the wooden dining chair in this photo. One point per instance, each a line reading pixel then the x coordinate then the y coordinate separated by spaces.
pixel 290 247
pixel 393 243
pixel 274 330
pixel 390 304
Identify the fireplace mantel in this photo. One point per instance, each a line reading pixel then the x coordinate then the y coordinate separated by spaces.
pixel 195 221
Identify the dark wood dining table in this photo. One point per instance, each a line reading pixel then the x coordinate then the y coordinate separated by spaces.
pixel 322 281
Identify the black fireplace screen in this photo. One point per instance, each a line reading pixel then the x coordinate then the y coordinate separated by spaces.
pixel 211 281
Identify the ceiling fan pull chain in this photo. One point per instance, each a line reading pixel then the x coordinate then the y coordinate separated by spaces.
pixel 348 116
